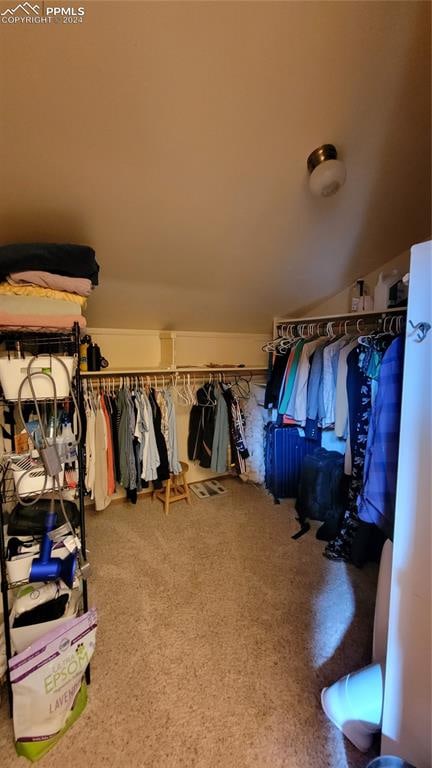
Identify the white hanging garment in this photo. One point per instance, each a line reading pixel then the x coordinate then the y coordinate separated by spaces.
pixel 90 448
pixel 171 440
pixel 151 458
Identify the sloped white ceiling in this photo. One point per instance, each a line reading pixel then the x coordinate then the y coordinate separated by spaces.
pixel 173 138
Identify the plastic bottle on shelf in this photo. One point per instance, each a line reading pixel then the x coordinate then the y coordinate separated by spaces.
pixel 360 300
pixel 84 352
pixel 94 357
pixel 382 289
pixel 91 357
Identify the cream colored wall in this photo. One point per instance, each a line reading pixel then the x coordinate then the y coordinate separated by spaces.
pixel 341 302
pixel 173 137
pixel 194 348
pixel 151 349
pixel 131 348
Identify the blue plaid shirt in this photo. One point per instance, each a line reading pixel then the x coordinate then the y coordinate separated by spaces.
pixel 376 502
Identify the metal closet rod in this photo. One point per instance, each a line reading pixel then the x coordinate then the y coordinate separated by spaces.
pixel 373 314
pixel 113 373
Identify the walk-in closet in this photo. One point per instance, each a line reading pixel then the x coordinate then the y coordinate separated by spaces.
pixel 215 378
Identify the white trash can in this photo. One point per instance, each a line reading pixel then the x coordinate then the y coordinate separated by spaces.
pixel 354 704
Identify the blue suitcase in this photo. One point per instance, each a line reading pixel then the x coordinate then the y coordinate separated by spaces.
pixel 285 452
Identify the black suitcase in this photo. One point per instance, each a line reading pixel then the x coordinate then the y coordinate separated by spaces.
pixel 285 452
pixel 321 491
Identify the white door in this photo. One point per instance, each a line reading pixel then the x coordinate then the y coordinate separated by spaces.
pixel 406 730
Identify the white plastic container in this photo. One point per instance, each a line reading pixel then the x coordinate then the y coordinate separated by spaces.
pixel 354 705
pixel 12 372
pixel 23 637
pixel 382 289
pixel 29 475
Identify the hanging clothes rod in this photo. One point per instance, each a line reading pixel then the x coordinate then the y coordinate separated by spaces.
pixel 344 316
pixel 286 329
pixel 113 372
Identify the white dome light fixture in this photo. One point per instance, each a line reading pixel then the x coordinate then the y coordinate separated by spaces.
pixel 327 173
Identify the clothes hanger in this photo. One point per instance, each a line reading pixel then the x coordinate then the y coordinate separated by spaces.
pixel 209 393
pixel 174 391
pixel 189 391
pixel 289 339
pixel 329 329
pixel 273 345
pixel 181 391
pixel 242 385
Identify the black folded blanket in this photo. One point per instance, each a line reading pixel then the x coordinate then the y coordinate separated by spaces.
pixel 58 258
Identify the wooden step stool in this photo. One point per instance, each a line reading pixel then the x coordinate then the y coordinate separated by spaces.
pixel 175 488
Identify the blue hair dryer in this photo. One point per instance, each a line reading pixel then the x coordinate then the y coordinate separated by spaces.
pixel 47 568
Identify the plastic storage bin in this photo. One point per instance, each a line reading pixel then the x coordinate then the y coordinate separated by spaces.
pixel 12 372
pixel 23 637
pixel 29 475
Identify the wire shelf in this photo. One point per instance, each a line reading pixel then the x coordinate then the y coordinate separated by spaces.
pixel 8 492
pixel 14 341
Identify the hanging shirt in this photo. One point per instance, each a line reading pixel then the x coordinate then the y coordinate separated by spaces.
pixel 163 471
pixel 126 430
pixel 150 453
pixel 376 502
pixel 274 383
pixel 314 383
pixel 201 426
pixel 330 360
pixel 101 495
pixel 297 407
pixel 290 376
pixel 239 451
pixel 90 448
pixel 341 402
pixel 173 458
pixel 221 434
pixel 111 485
pixel 160 399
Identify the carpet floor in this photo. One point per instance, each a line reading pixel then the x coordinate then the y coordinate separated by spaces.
pixel 216 635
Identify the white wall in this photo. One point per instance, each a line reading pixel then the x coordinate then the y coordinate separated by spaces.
pixel 406 729
pixel 132 348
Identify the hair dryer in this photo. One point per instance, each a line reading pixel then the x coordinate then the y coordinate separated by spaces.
pixel 47 568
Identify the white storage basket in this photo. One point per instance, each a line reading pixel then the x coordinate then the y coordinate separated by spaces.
pixel 12 372
pixel 29 475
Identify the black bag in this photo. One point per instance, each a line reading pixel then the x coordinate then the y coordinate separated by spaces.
pixel 321 491
pixel 30 521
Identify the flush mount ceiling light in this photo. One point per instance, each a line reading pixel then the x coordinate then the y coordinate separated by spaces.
pixel 327 173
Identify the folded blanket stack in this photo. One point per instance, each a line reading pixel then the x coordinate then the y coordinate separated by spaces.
pixel 45 284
